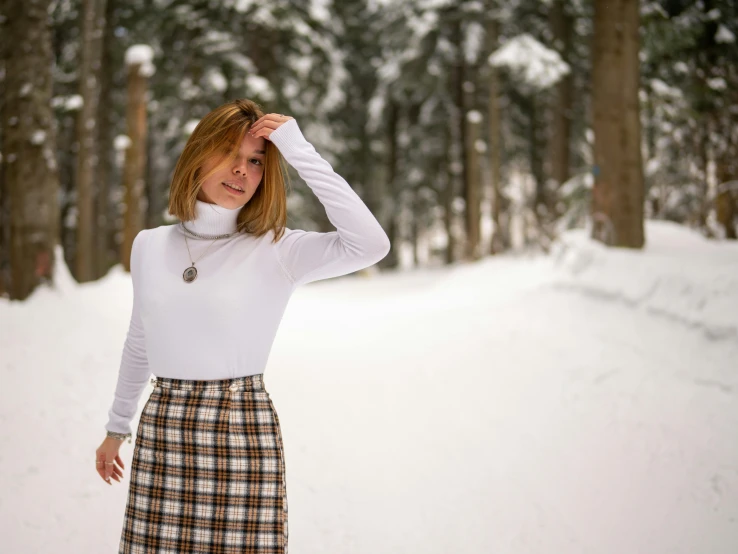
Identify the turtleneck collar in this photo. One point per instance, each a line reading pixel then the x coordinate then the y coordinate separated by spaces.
pixel 212 219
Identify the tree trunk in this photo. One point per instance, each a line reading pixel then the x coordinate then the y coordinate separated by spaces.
pixel 473 186
pixel 497 244
pixel 459 96
pixel 29 166
pixel 726 199
pixel 134 170
pixel 391 260
pixel 703 134
pixel 448 196
pixel 415 226
pixel 92 26
pixel 618 193
pixel 726 212
pixel 4 193
pixel 559 145
pixel 106 220
pixel 536 151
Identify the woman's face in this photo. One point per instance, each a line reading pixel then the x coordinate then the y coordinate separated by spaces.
pixel 244 172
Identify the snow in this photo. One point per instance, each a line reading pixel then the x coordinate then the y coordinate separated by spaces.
pixel 662 89
pixel 724 35
pixel 534 63
pixel 217 80
pixel 68 103
pixel 681 67
pixel 713 14
pixel 320 10
pixel 717 83
pixel 473 42
pixel 190 126
pixel 37 137
pixel 259 86
pixel 474 116
pixel 244 5
pixel 141 55
pixel 122 142
pixel 581 402
pixel 681 276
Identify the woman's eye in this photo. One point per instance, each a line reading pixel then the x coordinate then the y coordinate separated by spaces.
pixel 256 160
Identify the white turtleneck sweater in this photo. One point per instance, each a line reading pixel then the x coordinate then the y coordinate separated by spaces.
pixel 222 325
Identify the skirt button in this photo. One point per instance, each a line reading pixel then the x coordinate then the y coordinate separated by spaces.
pixel 234 386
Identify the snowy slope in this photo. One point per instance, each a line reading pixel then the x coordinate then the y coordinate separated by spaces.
pixel 679 275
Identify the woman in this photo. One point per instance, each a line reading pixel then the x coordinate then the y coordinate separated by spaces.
pixel 208 468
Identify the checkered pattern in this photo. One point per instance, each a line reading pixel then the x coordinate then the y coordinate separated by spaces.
pixel 208 471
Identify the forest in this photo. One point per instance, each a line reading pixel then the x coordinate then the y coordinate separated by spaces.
pixel 470 128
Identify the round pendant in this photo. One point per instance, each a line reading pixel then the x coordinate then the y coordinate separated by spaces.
pixel 190 274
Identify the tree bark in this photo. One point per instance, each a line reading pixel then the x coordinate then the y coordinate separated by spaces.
pixel 93 17
pixel 726 198
pixel 473 192
pixel 618 193
pixel 494 118
pixel 460 101
pixel 448 196
pixel 391 259
pixel 135 161
pixel 29 166
pixel 559 145
pixel 106 220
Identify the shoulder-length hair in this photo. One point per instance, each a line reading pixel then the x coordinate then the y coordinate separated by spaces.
pixel 220 134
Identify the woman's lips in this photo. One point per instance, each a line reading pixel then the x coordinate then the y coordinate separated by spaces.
pixel 233 191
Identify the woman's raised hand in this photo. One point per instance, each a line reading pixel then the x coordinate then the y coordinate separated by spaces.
pixel 264 126
pixel 106 458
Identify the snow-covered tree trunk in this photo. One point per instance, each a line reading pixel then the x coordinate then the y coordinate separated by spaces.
pixel 29 166
pixel 138 59
pixel 618 195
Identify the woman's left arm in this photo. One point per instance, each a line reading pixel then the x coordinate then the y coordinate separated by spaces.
pixel 359 240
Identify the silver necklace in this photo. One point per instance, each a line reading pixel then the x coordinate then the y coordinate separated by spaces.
pixel 190 274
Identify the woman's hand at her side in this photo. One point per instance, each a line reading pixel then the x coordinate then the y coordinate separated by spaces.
pixel 264 126
pixel 106 458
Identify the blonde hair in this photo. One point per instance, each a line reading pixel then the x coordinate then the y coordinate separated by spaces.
pixel 220 133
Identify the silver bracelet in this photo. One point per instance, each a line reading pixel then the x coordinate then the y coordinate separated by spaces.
pixel 120 436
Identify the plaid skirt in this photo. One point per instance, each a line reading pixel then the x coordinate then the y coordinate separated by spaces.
pixel 208 471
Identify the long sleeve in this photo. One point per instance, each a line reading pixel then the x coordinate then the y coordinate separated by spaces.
pixel 359 240
pixel 134 367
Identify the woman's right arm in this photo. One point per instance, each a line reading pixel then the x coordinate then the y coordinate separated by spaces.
pixel 134 370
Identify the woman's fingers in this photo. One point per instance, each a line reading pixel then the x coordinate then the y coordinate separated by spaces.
pixel 267 125
pixel 106 467
pixel 270 121
pixel 103 477
pixel 100 466
pixel 109 470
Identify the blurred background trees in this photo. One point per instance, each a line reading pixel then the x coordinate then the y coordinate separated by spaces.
pixel 470 128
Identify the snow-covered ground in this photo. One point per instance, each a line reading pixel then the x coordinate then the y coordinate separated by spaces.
pixel 584 402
